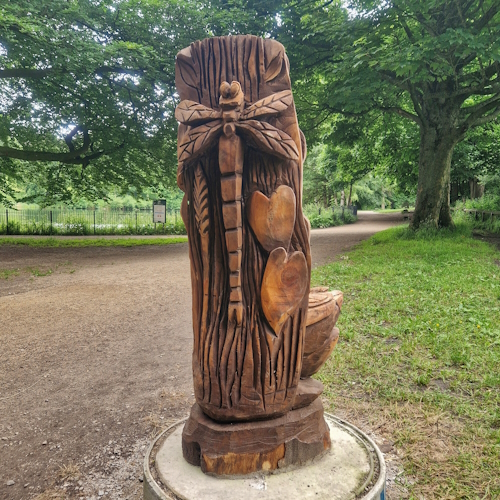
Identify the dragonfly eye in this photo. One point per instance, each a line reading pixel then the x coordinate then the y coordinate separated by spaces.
pixel 235 88
pixel 225 89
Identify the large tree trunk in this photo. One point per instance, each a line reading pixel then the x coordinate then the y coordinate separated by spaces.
pixel 433 193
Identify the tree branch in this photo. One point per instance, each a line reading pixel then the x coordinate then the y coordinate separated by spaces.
pixel 484 75
pixel 487 119
pixel 401 112
pixel 85 160
pixel 480 106
pixel 416 103
pixel 480 117
pixel 391 77
pixel 21 154
pixel 408 32
pixel 339 111
pixel 117 69
pixel 488 16
pixel 463 62
pixel 69 138
pixel 488 88
pixel 421 19
pixel 23 73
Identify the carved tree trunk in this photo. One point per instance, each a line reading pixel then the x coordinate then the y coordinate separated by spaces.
pixel 245 367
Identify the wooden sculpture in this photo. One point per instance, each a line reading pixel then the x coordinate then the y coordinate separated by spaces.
pixel 240 155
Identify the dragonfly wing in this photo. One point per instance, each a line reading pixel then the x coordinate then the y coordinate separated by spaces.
pixel 272 105
pixel 268 138
pixel 193 113
pixel 197 140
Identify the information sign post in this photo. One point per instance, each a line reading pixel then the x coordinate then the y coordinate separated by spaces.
pixel 159 211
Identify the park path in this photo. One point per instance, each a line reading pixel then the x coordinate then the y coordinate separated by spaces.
pixel 95 359
pixel 328 243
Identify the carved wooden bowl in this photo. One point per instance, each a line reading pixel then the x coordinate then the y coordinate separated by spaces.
pixel 321 334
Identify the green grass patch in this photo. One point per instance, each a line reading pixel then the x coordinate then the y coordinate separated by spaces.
pixel 91 242
pixel 393 210
pixel 475 221
pixel 36 271
pixel 419 355
pixel 8 273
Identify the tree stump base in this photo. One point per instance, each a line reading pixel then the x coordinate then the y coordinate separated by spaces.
pixel 237 449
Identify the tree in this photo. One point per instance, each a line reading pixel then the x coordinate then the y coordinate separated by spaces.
pixel 87 89
pixel 435 63
pixel 89 86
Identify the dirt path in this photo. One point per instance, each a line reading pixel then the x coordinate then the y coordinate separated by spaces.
pixel 326 244
pixel 95 348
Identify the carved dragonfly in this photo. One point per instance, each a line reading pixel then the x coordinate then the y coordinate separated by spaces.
pixel 226 124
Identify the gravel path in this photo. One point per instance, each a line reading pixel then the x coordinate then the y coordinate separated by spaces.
pixel 95 347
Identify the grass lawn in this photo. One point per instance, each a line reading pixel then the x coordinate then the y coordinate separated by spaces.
pixel 393 210
pixel 419 356
pixel 90 242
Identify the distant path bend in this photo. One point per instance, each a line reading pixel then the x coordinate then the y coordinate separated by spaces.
pixel 327 243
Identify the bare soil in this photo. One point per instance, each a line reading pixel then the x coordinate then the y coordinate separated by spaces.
pixel 95 358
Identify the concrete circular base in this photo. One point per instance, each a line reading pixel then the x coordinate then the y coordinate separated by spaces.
pixel 354 468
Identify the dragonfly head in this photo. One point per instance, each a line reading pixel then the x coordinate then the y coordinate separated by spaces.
pixel 231 100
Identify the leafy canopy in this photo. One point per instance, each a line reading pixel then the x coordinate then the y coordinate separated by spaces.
pixel 88 89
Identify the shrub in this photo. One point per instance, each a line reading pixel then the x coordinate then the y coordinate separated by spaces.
pixel 321 217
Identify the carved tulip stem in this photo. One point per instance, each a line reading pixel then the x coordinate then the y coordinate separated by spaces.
pixel 202 218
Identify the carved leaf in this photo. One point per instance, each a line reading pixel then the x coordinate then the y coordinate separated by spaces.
pixel 271 105
pixel 200 201
pixel 274 68
pixel 272 219
pixel 283 286
pixel 187 72
pixel 194 113
pixel 197 140
pixel 269 139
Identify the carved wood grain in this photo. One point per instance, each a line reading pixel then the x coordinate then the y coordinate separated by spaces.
pixel 315 359
pixel 249 447
pixel 242 369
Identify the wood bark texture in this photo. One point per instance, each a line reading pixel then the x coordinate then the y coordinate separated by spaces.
pixel 261 446
pixel 321 334
pixel 240 165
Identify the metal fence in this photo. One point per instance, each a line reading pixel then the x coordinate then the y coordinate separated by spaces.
pixel 479 214
pixel 87 222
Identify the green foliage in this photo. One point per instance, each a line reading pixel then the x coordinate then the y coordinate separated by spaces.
pixel 478 155
pixel 321 217
pixel 87 90
pixel 486 202
pixel 434 63
pixel 81 223
pixel 91 77
pixel 419 340
pixel 90 86
pixel 370 191
pixel 475 221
